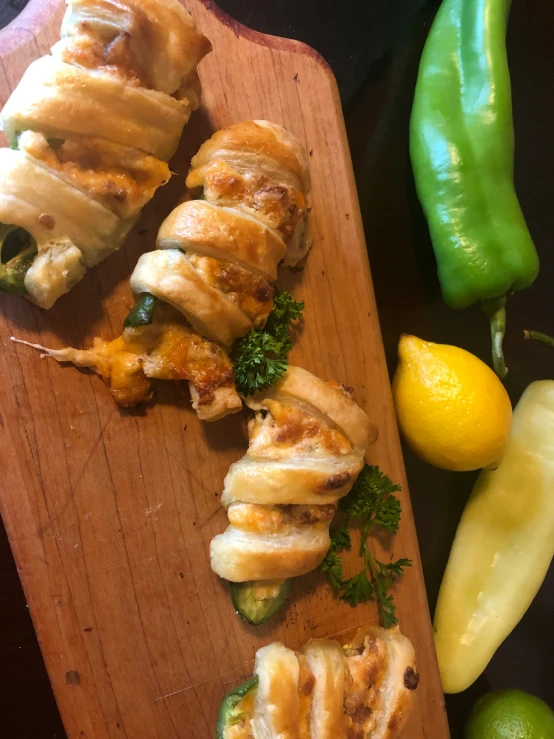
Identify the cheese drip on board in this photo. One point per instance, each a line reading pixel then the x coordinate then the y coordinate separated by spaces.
pixel 167 349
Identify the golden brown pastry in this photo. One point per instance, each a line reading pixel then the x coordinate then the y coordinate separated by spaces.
pixel 307 444
pixel 380 678
pixel 156 44
pixel 276 710
pixel 212 274
pixel 94 125
pixel 218 256
pixel 59 99
pixel 261 169
pixel 51 209
pixel 363 690
pixel 121 178
pixel 326 661
pixel 170 276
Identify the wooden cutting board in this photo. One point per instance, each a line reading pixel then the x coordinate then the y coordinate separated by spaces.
pixel 110 513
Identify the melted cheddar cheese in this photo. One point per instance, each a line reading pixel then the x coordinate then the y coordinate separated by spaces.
pixel 164 351
pixel 122 372
pixel 242 727
pixel 252 294
pixel 87 49
pixel 262 519
pixel 123 179
pixel 279 206
pixel 286 431
pixel 255 518
pixel 364 673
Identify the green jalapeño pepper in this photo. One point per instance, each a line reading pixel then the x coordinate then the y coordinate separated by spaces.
pixel 141 314
pixel 462 152
pixel 17 252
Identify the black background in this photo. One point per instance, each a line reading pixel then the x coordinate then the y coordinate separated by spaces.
pixel 373 47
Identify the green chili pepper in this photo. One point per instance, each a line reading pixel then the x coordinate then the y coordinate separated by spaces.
pixel 229 712
pixel 462 152
pixel 17 252
pixel 142 312
pixel 258 601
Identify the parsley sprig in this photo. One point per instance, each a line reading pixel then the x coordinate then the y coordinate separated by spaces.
pixel 371 502
pixel 261 358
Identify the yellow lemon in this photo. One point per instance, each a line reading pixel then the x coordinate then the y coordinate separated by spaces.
pixel 452 409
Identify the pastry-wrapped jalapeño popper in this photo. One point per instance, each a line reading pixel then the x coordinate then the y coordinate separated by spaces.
pixel 326 691
pixel 307 444
pixel 91 129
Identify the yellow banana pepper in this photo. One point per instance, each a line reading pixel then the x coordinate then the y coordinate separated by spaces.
pixel 503 546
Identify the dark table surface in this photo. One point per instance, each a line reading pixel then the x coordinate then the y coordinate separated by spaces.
pixel 374 48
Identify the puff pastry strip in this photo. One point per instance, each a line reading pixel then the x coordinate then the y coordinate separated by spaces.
pixel 157 42
pixel 58 99
pixel 262 169
pixel 50 208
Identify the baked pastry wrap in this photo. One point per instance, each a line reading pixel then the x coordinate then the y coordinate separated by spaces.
pixel 93 125
pixel 364 689
pixel 307 443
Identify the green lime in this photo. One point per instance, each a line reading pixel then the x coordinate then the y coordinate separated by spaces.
pixel 510 714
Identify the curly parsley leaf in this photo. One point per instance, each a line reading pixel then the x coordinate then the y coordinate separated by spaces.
pixel 388 513
pixel 371 500
pixel 285 311
pixel 332 565
pixel 372 503
pixel 261 358
pixel 387 610
pixel 340 540
pixel 384 574
pixel 358 589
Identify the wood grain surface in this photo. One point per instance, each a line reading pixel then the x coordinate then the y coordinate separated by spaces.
pixel 110 512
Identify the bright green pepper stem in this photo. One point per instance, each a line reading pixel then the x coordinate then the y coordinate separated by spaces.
pixel 496 311
pixel 539 337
